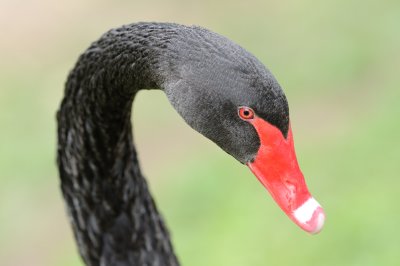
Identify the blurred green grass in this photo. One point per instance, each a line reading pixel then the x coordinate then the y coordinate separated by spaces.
pixel 338 62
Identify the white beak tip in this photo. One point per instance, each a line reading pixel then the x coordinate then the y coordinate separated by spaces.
pixel 310 216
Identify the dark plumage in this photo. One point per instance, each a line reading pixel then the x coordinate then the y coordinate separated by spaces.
pixel 204 75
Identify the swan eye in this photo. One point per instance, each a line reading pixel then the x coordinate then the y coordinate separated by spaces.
pixel 246 113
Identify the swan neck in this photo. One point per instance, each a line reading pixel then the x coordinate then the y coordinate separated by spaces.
pixel 113 216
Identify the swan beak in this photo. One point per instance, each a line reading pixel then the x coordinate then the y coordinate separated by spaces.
pixel 276 167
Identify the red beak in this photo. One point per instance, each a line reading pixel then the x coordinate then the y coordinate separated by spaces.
pixel 277 169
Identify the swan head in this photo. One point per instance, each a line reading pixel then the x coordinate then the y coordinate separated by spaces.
pixel 226 94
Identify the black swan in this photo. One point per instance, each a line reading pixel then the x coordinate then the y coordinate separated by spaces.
pixel 219 89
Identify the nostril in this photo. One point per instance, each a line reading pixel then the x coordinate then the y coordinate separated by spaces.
pixel 290 185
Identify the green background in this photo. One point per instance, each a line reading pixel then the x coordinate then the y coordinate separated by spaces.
pixel 339 64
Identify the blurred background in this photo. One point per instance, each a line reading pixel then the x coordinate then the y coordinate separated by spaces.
pixel 338 62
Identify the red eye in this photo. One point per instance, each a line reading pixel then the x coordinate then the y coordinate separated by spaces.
pixel 246 113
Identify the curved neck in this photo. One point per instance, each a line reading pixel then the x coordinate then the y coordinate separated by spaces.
pixel 114 218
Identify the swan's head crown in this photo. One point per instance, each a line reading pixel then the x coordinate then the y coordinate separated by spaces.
pixel 209 78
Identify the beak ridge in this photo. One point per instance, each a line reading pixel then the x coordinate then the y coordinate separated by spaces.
pixel 276 167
